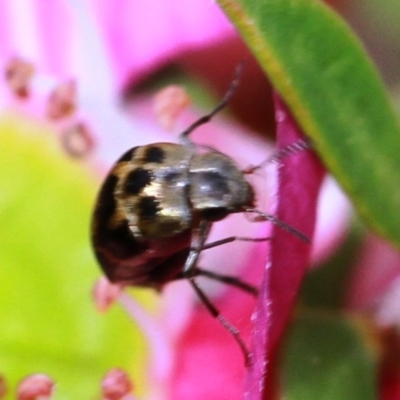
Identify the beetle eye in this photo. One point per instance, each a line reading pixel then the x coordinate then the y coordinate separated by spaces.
pixel 214 214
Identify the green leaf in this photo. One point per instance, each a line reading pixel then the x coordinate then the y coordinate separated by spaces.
pixel 328 358
pixel 325 285
pixel 332 88
pixel 48 323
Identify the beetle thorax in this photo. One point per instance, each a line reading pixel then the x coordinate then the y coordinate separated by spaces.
pixel 217 187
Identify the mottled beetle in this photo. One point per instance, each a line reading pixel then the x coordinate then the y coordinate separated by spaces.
pixel 156 207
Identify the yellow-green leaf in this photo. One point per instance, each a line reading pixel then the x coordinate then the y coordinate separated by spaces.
pixel 48 323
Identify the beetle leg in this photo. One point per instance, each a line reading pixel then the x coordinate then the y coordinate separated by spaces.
pixel 262 216
pixel 228 279
pixel 223 321
pixel 199 236
pixel 231 239
pixel 293 148
pixel 190 271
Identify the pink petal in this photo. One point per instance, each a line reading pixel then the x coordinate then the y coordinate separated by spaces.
pixel 205 351
pixel 141 35
pixel 333 221
pixel 375 284
pixel 39 31
pixel 378 268
pixel 300 177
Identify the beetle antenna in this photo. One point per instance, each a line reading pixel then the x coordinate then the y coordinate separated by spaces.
pixel 206 118
pixel 293 148
pixel 268 217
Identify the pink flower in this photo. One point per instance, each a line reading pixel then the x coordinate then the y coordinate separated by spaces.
pixel 86 55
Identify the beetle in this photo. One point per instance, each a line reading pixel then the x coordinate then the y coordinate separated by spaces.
pixel 156 208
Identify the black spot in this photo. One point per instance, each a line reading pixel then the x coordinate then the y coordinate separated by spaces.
pixel 121 243
pixel 120 234
pixel 106 203
pixel 128 156
pixel 137 180
pixel 113 245
pixel 148 207
pixel 118 241
pixel 154 154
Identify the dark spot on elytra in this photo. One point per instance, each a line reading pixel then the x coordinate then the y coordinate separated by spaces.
pixel 128 156
pixel 106 202
pixel 137 180
pixel 121 243
pixel 148 207
pixel 154 154
pixel 118 241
